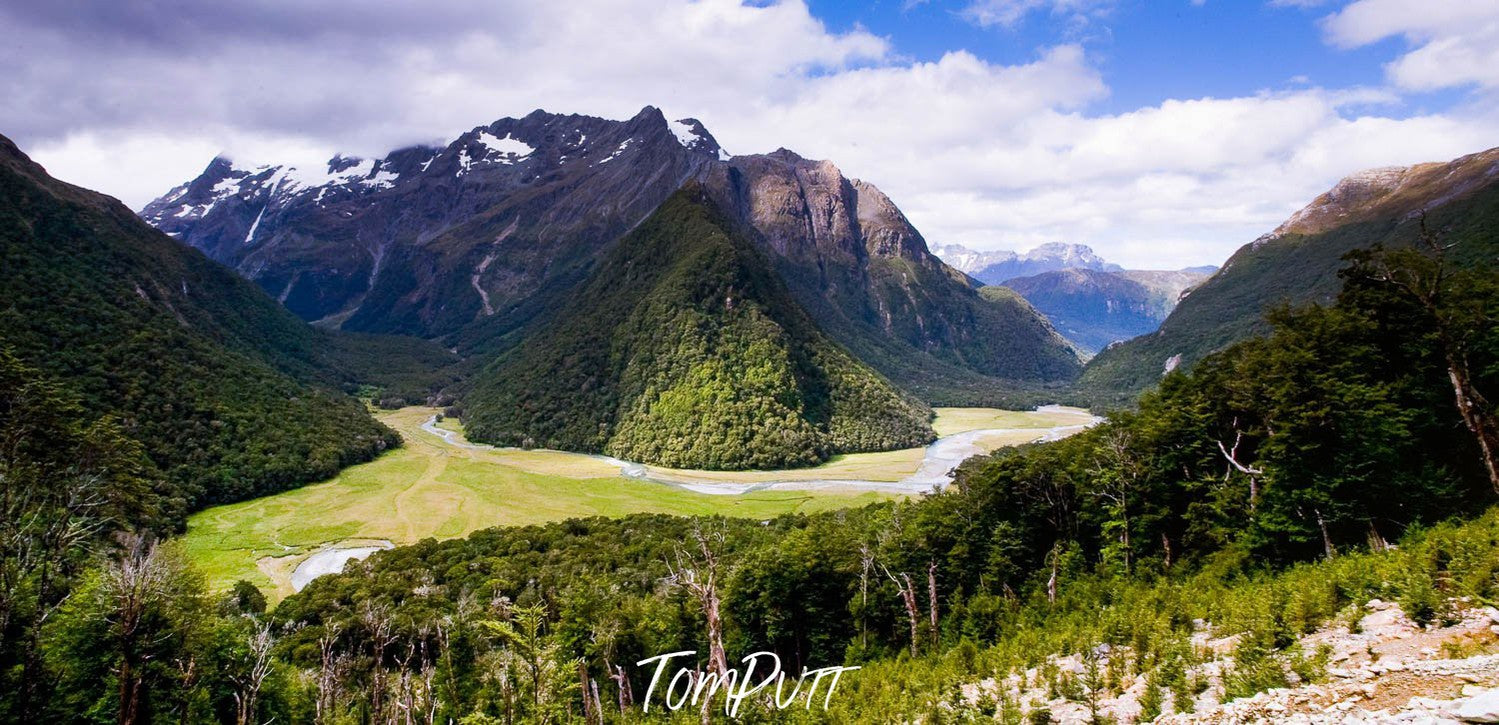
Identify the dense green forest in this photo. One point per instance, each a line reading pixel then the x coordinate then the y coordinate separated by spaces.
pixel 684 349
pixel 1262 490
pixel 229 394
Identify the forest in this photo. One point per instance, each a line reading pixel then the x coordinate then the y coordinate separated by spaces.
pixel 1349 453
pixel 688 352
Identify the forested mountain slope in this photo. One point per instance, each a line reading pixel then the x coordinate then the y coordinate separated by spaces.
pixel 231 395
pixel 478 241
pixel 1298 262
pixel 685 349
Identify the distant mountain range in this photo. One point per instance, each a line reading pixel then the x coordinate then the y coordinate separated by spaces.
pixel 486 243
pixel 1095 309
pixel 1000 266
pixel 1091 302
pixel 1299 261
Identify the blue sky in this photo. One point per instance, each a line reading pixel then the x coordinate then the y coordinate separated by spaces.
pixel 1148 52
pixel 1164 133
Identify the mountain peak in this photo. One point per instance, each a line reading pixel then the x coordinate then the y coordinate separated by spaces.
pixel 1391 191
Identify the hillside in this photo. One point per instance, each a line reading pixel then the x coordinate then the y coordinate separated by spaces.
pixel 479 242
pixel 866 276
pixel 1299 262
pixel 1094 308
pixel 230 395
pixel 685 349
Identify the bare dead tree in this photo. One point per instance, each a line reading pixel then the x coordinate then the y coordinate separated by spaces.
pixel 329 673
pixel 931 593
pixel 907 593
pixel 376 621
pixel 1055 557
pixel 134 583
pixel 257 666
pixel 866 566
pixel 621 683
pixel 1232 455
pixel 698 573
pixel 1430 288
pixel 1327 547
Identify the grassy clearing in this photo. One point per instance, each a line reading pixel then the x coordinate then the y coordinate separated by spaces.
pixel 430 488
pixel 957 420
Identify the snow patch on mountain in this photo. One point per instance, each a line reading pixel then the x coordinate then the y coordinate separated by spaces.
pixel 684 133
pixel 511 149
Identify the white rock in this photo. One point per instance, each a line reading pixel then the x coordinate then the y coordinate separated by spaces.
pixel 1480 708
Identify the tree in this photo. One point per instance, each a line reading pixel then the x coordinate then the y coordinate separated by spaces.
pixel 1457 305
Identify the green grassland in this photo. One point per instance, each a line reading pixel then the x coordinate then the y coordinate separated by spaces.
pixel 430 488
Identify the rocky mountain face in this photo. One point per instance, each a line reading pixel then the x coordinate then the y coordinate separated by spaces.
pixel 684 348
pixel 428 240
pixel 1299 262
pixel 998 267
pixel 477 241
pixel 1095 309
pixel 230 395
pixel 864 273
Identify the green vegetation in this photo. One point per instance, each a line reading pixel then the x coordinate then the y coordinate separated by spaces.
pixel 1295 268
pixel 1335 433
pixel 432 489
pixel 228 393
pixel 971 366
pixel 685 350
pixel 429 488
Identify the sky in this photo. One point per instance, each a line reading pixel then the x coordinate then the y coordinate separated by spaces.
pixel 1163 133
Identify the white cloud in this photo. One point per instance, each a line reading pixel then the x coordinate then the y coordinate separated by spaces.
pixel 986 154
pixel 1007 13
pixel 1456 42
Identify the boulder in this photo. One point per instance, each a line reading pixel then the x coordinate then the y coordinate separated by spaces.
pixel 1480 708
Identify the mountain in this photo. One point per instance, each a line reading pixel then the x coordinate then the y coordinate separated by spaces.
pixel 684 348
pixel 480 241
pixel 231 395
pixel 1094 309
pixel 865 275
pixel 998 267
pixel 428 240
pixel 1299 261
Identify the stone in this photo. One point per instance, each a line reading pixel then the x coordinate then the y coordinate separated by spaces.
pixel 1480 708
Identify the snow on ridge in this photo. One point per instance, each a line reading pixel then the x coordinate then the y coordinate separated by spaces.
pixel 507 146
pixel 617 151
pixel 228 185
pixel 684 133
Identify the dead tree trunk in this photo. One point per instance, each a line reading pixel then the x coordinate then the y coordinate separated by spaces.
pixel 907 593
pixel 622 685
pixel 1327 547
pixel 700 578
pixel 931 594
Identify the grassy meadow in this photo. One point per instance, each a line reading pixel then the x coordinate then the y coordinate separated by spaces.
pixel 432 488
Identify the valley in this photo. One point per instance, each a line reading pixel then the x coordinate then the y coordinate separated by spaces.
pixel 438 485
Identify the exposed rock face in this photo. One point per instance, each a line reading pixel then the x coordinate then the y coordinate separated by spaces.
pixel 427 240
pixel 1392 191
pixel 865 274
pixel 478 239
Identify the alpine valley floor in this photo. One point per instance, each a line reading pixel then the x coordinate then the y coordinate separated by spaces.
pixel 440 486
